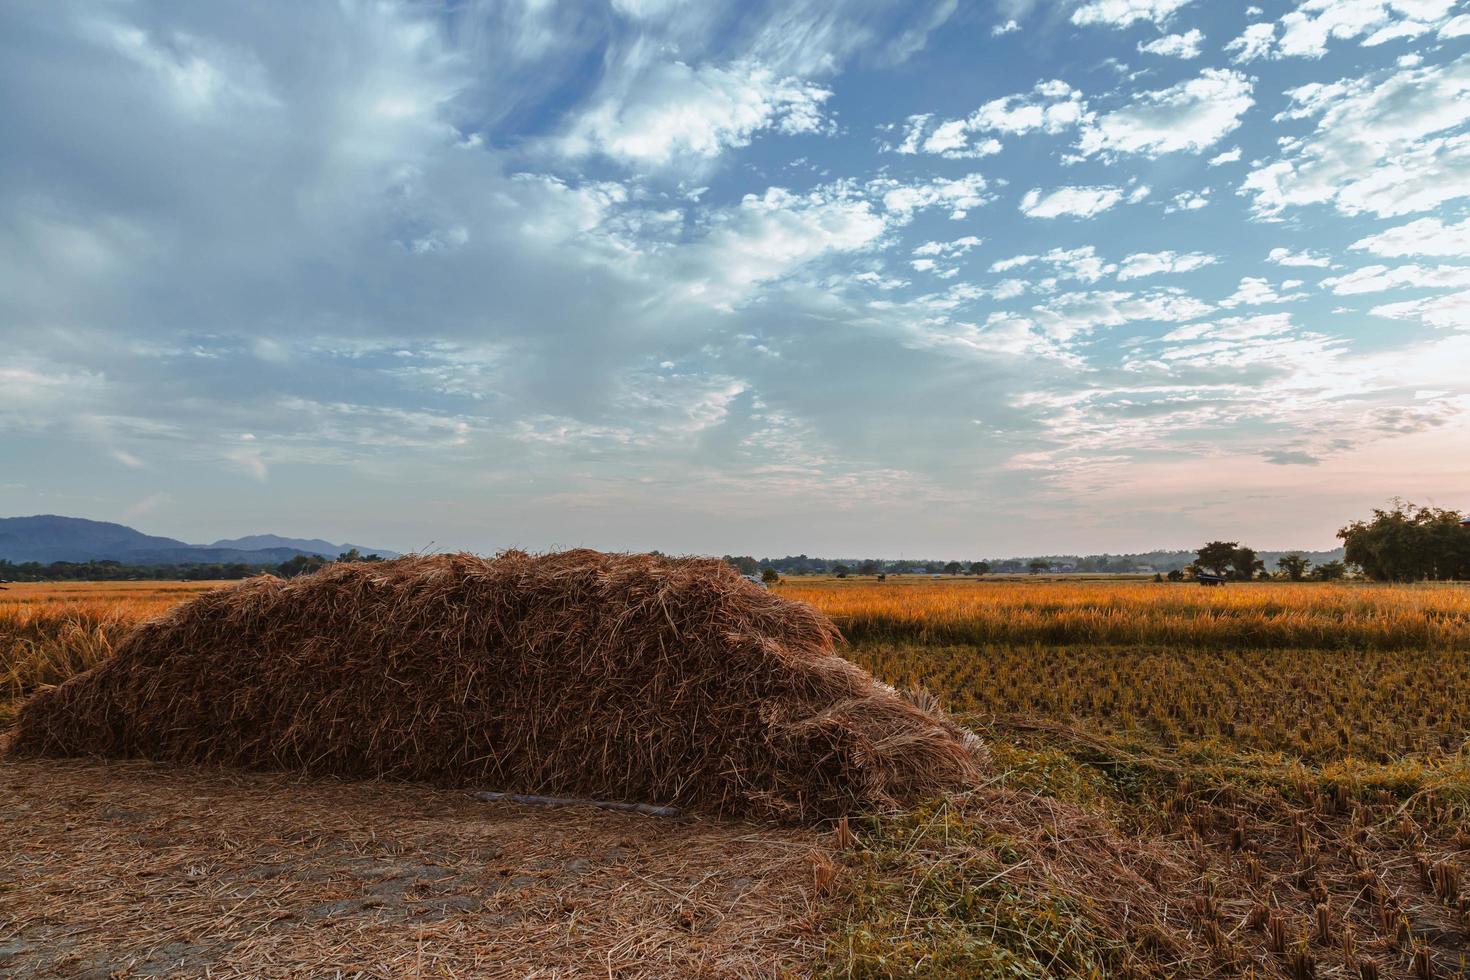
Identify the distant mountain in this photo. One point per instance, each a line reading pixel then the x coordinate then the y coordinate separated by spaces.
pixel 312 546
pixel 49 537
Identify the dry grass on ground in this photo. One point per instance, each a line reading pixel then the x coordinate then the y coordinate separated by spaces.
pixel 134 869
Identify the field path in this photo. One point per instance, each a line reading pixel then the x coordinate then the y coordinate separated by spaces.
pixel 131 869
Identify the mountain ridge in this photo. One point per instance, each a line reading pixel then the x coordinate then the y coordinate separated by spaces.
pixel 55 537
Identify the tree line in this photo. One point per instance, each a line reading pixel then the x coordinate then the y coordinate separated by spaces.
pixel 108 570
pixel 1401 543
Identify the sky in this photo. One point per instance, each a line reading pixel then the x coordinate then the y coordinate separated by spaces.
pixel 810 276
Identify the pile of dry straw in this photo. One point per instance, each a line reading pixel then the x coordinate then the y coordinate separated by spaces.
pixel 628 677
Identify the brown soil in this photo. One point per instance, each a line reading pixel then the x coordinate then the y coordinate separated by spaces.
pixel 131 869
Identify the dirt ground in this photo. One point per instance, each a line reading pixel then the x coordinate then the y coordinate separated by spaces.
pixel 130 869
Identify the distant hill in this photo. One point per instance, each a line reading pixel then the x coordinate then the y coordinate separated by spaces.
pixel 312 546
pixel 49 537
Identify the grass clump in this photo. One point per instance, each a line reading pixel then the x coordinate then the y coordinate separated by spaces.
pixel 935 894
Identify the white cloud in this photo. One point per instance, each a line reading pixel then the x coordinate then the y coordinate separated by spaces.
pixel 1229 156
pixel 958 246
pixel 1377 278
pixel 767 236
pixel 1188 201
pixel 1051 107
pixel 1448 311
pixel 1081 202
pixel 950 140
pixel 1191 115
pixel 673 111
pixel 1073 314
pixel 960 195
pixel 1075 263
pixel 1307 29
pixel 933 253
pixel 1285 256
pixel 1008 289
pixel 1254 42
pixel 878 281
pixel 1141 264
pixel 1121 13
pixel 1184 45
pixel 1255 291
pixel 199 75
pixel 1377 145
pixel 1426 236
pixel 1009 27
pixel 1455 27
pixel 252 461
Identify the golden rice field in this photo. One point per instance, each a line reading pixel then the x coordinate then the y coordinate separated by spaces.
pixel 1239 616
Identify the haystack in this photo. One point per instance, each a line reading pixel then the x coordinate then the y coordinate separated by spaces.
pixel 626 677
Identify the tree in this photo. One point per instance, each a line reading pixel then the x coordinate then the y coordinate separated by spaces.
pixel 1245 565
pixel 1176 575
pixel 1294 565
pixel 300 565
pixel 1216 557
pixel 1329 571
pixel 953 567
pixel 770 576
pixel 840 569
pixel 1408 543
pixel 1038 565
pixel 869 567
pixel 979 567
pixel 744 564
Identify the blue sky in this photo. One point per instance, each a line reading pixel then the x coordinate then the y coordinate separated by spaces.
pixel 838 278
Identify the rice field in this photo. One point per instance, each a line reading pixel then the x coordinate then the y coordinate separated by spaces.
pixel 1241 616
pixel 1286 767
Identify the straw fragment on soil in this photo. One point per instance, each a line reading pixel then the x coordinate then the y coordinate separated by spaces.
pixel 141 869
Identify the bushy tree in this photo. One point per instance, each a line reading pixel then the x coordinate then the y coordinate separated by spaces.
pixel 1176 575
pixel 1294 566
pixel 1408 543
pixel 1038 565
pixel 979 567
pixel 1244 565
pixel 744 564
pixel 953 567
pixel 1329 571
pixel 770 576
pixel 300 565
pixel 1216 557
pixel 869 567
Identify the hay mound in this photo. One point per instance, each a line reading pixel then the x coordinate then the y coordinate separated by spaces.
pixel 626 677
